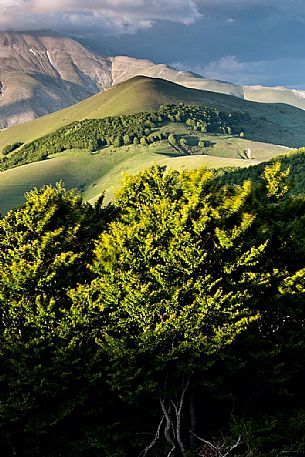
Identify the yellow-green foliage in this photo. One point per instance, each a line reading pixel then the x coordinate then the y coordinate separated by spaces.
pixel 275 180
pixel 175 266
pixel 40 253
pixel 116 320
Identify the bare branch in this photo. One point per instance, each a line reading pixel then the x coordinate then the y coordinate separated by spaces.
pixel 178 411
pixel 157 436
pixel 171 451
pixel 287 452
pixel 233 447
pixel 184 390
pixel 233 406
pixel 178 414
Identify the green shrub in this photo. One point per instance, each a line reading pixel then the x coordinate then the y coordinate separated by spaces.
pixel 11 147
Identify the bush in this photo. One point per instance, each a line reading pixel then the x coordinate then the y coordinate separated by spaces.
pixel 172 140
pixel 11 147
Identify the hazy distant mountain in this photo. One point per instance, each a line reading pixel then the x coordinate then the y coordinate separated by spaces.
pixel 124 68
pixel 44 72
pixel 275 95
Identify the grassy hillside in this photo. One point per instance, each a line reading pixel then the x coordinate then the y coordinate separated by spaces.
pixel 102 172
pixel 272 123
pixel 140 128
pixel 135 95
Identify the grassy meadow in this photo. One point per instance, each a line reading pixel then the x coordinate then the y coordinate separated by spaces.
pixel 103 171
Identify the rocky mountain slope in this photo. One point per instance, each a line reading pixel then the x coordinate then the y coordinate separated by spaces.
pixel 44 72
pixel 41 73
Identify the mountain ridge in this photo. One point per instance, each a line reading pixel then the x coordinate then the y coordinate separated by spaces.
pixel 44 72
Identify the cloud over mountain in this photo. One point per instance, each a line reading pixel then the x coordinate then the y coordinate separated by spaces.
pixel 121 16
pixel 112 16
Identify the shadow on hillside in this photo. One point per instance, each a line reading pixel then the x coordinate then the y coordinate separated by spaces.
pixel 172 153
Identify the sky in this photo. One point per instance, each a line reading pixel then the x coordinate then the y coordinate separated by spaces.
pixel 242 41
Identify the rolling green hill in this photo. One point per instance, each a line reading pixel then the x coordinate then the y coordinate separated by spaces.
pixel 140 128
pixel 268 127
pixel 103 172
pixel 272 123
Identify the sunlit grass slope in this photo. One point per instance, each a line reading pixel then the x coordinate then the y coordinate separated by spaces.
pixel 102 172
pixel 272 123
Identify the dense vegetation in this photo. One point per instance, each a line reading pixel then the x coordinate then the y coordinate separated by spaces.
pixel 142 128
pixel 11 147
pixel 294 161
pixel 170 323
